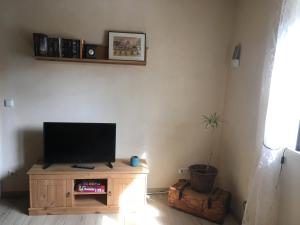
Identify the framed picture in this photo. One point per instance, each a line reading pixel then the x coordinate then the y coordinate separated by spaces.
pixel 127 46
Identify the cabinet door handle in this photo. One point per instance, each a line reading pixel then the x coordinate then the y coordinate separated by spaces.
pixel 68 194
pixel 109 193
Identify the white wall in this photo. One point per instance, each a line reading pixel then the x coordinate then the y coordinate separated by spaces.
pixel 157 108
pixel 246 97
pixel 289 190
pixel 1 132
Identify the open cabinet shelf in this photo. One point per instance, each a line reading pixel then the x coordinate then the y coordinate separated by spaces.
pixel 89 193
pixel 90 201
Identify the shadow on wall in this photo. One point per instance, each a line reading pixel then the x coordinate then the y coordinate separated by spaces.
pixel 31 144
pixel 24 43
pixel 19 44
pixel 29 151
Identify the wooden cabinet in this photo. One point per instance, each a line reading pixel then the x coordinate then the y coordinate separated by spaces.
pixel 52 189
pixel 127 192
pixel 48 193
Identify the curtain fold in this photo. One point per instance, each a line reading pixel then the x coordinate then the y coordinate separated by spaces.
pixel 282 120
pixel 263 200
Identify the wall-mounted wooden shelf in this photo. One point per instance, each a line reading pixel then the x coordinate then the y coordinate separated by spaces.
pixel 103 61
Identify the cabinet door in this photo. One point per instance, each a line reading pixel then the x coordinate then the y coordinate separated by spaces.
pixel 127 192
pixel 48 193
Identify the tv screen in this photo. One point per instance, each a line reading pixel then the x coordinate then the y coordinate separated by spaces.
pixel 79 142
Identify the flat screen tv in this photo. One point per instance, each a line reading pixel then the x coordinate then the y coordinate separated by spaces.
pixel 79 142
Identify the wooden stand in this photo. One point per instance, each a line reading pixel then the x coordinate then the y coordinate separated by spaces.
pixel 212 206
pixel 52 189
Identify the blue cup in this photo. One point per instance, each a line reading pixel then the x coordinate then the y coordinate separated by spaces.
pixel 134 161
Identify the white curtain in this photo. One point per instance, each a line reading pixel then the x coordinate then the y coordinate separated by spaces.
pixel 284 101
pixel 282 119
pixel 263 201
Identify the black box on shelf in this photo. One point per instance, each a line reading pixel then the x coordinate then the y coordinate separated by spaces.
pixel 40 44
pixel 90 51
pixel 53 47
pixel 70 48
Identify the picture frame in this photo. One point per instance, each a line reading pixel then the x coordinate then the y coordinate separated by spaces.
pixel 127 46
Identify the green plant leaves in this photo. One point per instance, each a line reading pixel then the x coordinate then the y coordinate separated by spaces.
pixel 211 121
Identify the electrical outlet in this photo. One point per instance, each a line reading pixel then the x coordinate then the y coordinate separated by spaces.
pixel 9 103
pixel 11 173
pixel 182 170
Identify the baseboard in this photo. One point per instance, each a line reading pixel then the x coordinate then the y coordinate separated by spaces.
pixel 14 194
pixel 236 217
pixel 156 190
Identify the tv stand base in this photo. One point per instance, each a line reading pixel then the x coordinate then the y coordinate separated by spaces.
pixel 46 165
pixel 110 165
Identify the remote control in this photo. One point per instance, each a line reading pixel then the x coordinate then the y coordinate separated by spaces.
pixel 84 167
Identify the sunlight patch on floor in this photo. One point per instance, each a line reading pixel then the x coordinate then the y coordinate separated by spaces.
pixel 146 216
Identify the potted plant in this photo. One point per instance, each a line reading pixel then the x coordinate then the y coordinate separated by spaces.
pixel 203 176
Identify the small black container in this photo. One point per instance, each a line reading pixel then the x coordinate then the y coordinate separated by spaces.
pixel 90 51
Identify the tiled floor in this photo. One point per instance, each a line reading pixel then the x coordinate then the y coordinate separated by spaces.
pixel 157 212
